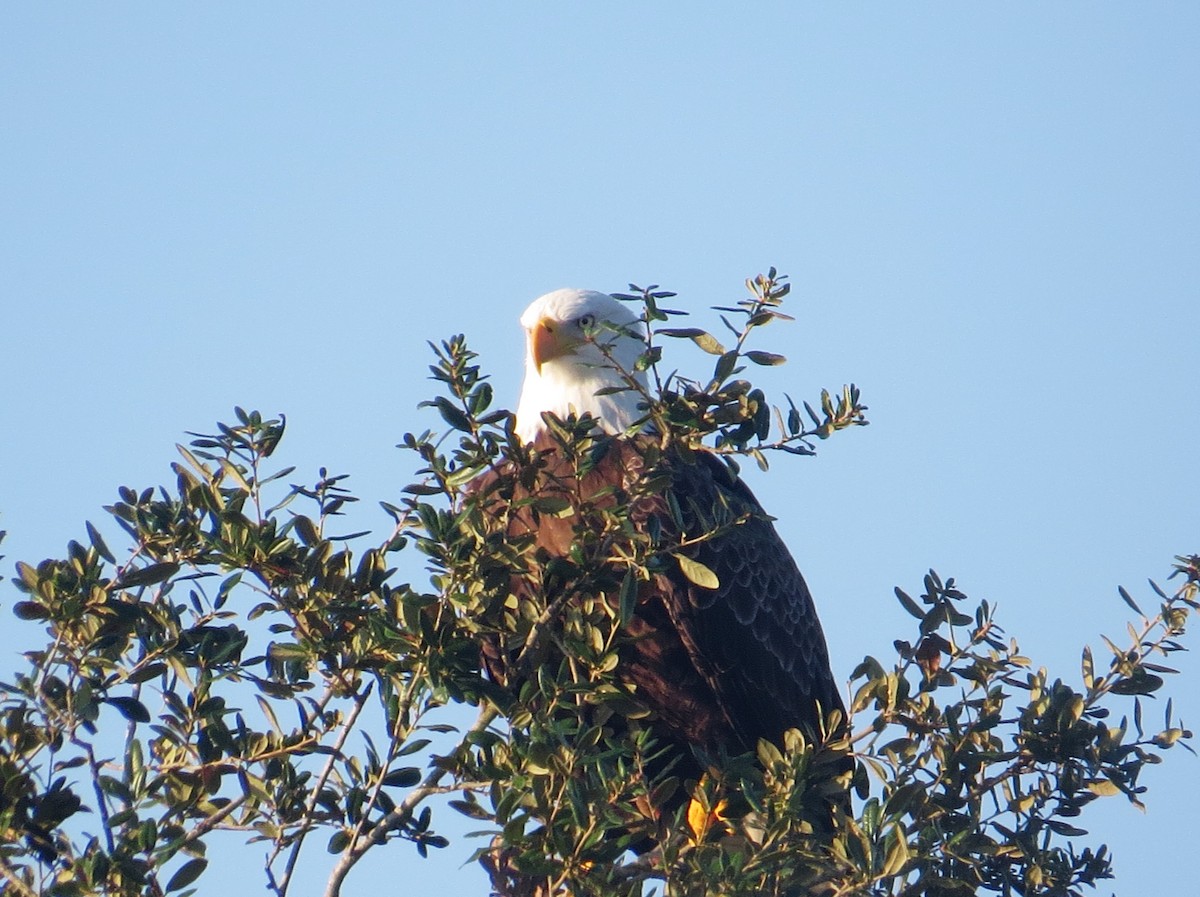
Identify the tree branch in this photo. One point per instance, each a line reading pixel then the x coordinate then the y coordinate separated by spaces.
pixel 378 832
pixel 310 804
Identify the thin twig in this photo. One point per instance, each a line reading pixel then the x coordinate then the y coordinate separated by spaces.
pixel 101 800
pixel 396 741
pixel 209 823
pixel 378 832
pixel 311 803
pixel 10 874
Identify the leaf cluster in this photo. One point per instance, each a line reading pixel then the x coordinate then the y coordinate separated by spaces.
pixel 246 665
pixel 727 412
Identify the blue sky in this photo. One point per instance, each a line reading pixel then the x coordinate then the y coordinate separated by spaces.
pixel 991 216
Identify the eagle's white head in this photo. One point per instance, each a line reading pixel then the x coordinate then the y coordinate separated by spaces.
pixel 564 364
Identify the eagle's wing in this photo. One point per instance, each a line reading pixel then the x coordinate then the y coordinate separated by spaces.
pixel 756 636
pixel 719 667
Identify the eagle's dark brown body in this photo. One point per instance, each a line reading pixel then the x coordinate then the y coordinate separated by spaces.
pixel 719 668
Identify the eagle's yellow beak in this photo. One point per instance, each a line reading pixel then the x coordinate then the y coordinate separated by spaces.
pixel 547 341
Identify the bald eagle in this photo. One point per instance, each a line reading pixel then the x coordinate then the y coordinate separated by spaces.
pixel 721 659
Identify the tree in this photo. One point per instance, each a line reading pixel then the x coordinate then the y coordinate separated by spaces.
pixel 156 709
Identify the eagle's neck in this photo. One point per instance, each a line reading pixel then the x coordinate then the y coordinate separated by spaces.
pixel 566 386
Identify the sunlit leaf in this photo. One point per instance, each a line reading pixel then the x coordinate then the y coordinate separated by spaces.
pixel 697 573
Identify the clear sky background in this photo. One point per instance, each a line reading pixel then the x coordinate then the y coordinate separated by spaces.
pixel 991 217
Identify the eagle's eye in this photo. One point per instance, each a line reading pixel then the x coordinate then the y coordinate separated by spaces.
pixel 587 322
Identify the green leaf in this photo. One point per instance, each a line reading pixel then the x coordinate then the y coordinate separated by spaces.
pixel 698 573
pixel 402 778
pixel 131 708
pixel 648 359
pixel 1065 829
pixel 1103 788
pixel 451 414
pixel 149 671
pixel 628 597
pixel 555 505
pixel 1168 737
pixel 766 358
pixel 480 399
pixel 145 576
pixel 909 605
pixel 30 610
pixel 706 341
pixel 1128 599
pixel 98 543
pixel 413 746
pixel 464 475
pixel 339 842
pixel 28 575
pixel 1141 683
pixel 470 809
pixel 306 530
pixel 269 713
pixel 186 874
pixel 286 651
pixel 725 366
pixel 231 470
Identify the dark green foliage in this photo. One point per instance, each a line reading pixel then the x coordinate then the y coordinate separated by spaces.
pixel 239 666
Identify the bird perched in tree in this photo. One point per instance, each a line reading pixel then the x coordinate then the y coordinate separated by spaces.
pixel 725 646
